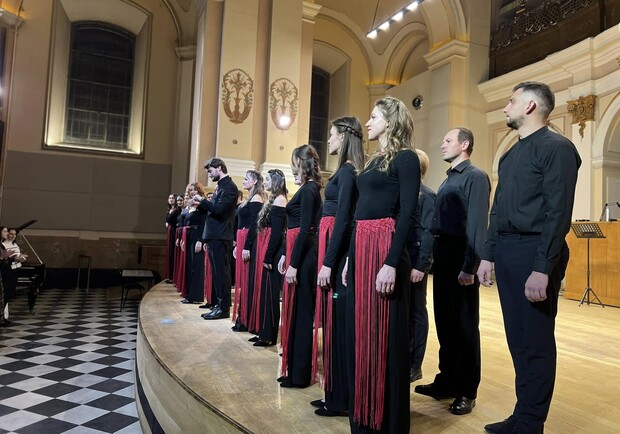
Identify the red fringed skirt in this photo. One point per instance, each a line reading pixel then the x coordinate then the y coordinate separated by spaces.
pixel 288 299
pixel 262 242
pixel 373 239
pixel 242 279
pixel 325 232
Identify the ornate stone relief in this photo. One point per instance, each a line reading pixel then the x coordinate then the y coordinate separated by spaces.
pixel 582 110
pixel 237 95
pixel 283 99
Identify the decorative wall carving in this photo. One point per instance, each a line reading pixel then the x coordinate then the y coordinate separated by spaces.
pixel 237 95
pixel 582 110
pixel 283 100
pixel 525 22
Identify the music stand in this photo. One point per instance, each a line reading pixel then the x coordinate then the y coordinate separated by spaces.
pixel 588 231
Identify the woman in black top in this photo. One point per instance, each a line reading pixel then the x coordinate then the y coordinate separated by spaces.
pixel 171 226
pixel 195 256
pixel 379 270
pixel 247 215
pixel 334 238
pixel 299 268
pixel 265 318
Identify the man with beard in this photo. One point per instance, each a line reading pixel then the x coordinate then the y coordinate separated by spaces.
pixel 530 218
pixel 219 233
pixel 459 224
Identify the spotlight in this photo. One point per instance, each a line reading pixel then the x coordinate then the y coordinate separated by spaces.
pixel 385 26
pixel 398 16
pixel 284 121
pixel 412 6
pixel 372 35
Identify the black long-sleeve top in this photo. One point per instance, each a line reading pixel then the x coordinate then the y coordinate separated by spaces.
pixel 195 218
pixel 172 217
pixel 303 212
pixel 277 222
pixel 422 239
pixel 247 217
pixel 181 217
pixel 221 211
pixel 340 200
pixel 462 209
pixel 535 194
pixel 391 194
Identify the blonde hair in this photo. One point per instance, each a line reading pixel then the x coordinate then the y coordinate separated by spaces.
pixel 424 162
pixel 399 130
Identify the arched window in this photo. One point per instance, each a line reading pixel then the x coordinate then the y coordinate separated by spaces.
pixel 101 66
pixel 319 113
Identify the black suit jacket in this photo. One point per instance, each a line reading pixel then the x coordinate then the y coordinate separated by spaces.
pixel 220 211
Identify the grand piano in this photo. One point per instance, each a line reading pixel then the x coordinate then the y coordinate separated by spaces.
pixel 31 275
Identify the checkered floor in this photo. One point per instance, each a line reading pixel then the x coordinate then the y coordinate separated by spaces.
pixel 69 367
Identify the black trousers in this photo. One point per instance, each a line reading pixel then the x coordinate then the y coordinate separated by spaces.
pixel 219 257
pixel 529 327
pixel 418 323
pixel 456 318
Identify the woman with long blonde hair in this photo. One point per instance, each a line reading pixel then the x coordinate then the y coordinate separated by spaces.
pixel 379 269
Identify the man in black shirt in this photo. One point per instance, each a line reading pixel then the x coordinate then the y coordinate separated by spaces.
pixel 459 224
pixel 530 218
pixel 219 233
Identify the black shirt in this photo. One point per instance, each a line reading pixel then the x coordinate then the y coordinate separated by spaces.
pixel 391 194
pixel 340 200
pixel 247 217
pixel 303 212
pixel 421 241
pixel 221 211
pixel 462 209
pixel 535 194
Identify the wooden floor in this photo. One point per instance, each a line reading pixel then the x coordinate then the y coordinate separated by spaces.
pixel 239 379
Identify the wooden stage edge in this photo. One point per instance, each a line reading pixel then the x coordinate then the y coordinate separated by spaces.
pixel 197 376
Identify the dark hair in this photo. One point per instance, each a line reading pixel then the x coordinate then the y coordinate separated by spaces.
pixel 546 98
pixel 351 149
pixel 308 164
pixel 216 163
pixel 278 187
pixel 466 134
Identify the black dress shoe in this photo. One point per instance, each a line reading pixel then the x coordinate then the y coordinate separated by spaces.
pixel 262 344
pixel 253 339
pixel 434 391
pixel 329 413
pixel 318 403
pixel 289 384
pixel 217 314
pixel 281 379
pixel 462 405
pixel 503 427
pixel 238 327
pixel 206 306
pixel 415 374
pixel 186 301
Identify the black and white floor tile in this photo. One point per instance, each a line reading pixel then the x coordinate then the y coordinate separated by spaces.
pixel 70 367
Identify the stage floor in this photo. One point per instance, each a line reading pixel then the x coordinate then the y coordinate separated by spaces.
pixel 199 376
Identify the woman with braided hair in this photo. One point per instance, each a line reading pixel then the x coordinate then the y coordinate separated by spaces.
pixel 335 230
pixel 378 270
pixel 299 268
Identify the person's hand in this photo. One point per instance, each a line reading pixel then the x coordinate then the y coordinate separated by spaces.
pixel 267 266
pixel 386 278
pixel 485 273
pixel 416 275
pixel 245 254
pixel 536 287
pixel 325 277
pixel 204 247
pixel 466 278
pixel 22 258
pixel 182 245
pixel 235 253
pixel 176 242
pixel 345 272
pixel 197 199
pixel 291 275
pixel 198 246
pixel 281 264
